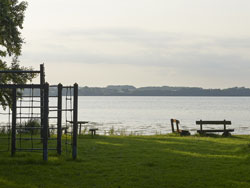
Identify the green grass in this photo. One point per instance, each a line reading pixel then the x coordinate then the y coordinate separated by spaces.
pixel 135 161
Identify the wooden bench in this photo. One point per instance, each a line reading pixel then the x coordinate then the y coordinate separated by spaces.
pixel 181 132
pixel 93 131
pixel 226 132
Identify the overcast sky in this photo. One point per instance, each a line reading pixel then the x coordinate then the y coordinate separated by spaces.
pixel 203 43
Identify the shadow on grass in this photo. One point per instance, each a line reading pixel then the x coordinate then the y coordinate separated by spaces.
pixel 217 146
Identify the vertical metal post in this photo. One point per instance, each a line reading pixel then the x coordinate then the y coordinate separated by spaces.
pixel 75 121
pixel 45 122
pixel 42 82
pixel 59 119
pixel 13 136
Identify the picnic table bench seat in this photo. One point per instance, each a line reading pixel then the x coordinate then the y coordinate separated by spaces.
pixel 226 132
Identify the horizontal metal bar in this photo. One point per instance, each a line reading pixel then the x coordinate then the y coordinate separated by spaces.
pixel 29 107
pixel 28 127
pixel 28 139
pixel 20 71
pixel 32 149
pixel 21 86
pixel 21 100
pixel 63 110
pixel 27 117
pixel 52 128
pixel 24 113
pixel 27 96
pixel 68 87
pixel 52 138
pixel 28 149
pixel 69 132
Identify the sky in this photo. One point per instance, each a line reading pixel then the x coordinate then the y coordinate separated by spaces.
pixel 198 43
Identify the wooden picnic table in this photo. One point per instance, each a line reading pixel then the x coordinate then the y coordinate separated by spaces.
pixel 80 123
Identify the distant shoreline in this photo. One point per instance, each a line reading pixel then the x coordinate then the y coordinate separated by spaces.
pixel 127 90
pixel 161 96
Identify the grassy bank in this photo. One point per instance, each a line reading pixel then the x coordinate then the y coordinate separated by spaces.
pixel 136 161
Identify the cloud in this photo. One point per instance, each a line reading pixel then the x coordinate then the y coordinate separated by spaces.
pixel 185 55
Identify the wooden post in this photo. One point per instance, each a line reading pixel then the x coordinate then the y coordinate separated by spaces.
pixel 224 125
pixel 201 125
pixel 75 122
pixel 59 119
pixel 177 125
pixel 172 125
pixel 45 121
pixel 13 136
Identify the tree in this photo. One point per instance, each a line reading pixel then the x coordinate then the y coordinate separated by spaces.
pixel 11 22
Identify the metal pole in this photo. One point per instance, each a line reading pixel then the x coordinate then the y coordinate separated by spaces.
pixel 59 119
pixel 75 122
pixel 42 82
pixel 46 122
pixel 13 136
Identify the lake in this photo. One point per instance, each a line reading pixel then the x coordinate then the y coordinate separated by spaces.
pixel 151 115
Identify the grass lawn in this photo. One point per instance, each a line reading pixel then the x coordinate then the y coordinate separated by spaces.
pixel 135 161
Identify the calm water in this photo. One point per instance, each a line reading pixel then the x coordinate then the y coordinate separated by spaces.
pixel 151 115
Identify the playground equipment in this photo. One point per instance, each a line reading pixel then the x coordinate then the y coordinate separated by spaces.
pixel 32 113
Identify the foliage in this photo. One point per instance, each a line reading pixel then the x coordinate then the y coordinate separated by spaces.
pixel 11 22
pixel 3 130
pixel 112 131
pixel 33 126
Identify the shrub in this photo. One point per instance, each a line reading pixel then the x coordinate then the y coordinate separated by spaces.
pixel 33 126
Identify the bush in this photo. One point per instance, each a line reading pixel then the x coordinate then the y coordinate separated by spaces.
pixel 33 126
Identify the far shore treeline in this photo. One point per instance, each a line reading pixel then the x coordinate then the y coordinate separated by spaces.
pixel 127 90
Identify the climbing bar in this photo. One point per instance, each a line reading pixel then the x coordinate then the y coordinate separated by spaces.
pixel 29 107
pixel 20 71
pixel 65 110
pixel 27 117
pixel 21 86
pixel 32 149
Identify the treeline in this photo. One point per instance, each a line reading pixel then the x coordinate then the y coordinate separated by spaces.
pixel 127 90
pixel 161 91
